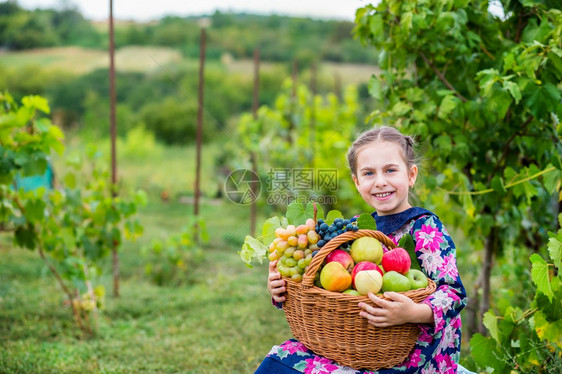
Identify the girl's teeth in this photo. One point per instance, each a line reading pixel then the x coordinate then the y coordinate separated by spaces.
pixel 382 194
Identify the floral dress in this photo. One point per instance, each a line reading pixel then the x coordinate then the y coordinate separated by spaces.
pixel 437 349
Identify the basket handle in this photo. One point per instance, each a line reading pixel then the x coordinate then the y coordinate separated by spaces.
pixel 308 278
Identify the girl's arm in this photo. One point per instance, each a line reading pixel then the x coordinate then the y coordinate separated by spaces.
pixel 436 254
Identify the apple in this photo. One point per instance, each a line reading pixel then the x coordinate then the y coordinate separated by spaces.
pixel 366 249
pixel 361 266
pixel 394 281
pixel 351 292
pixel 334 277
pixel 368 281
pixel 396 259
pixel 417 279
pixel 342 257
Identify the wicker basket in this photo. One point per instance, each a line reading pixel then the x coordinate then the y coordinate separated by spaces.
pixel 329 324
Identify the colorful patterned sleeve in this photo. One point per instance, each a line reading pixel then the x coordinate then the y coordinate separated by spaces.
pixel 437 256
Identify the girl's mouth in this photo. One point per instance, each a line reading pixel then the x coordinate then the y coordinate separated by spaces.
pixel 383 195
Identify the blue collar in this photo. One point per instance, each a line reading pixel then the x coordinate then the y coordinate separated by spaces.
pixel 392 222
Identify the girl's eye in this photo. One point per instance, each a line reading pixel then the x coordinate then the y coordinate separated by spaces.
pixel 368 173
pixel 390 170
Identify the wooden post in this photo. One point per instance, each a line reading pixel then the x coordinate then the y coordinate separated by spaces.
pixel 113 127
pixel 199 135
pixel 255 104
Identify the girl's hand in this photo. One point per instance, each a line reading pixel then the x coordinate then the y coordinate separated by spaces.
pixel 275 285
pixel 398 310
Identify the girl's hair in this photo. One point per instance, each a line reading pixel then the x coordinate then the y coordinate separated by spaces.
pixel 383 133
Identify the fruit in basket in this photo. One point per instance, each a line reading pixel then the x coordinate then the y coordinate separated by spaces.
pixel 327 232
pixel 334 277
pixel 394 281
pixel 367 249
pixel 364 265
pixel 368 281
pixel 397 260
pixel 293 247
pixel 351 291
pixel 417 279
pixel 342 257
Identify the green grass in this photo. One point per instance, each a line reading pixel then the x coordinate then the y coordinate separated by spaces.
pixel 219 322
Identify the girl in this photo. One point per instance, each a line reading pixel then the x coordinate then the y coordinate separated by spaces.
pixel 383 167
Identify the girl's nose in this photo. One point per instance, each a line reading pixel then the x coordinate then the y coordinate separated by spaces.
pixel 380 181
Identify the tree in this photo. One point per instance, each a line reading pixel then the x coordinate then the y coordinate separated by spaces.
pixel 482 93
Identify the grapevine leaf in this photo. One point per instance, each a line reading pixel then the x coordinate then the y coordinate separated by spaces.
pixel 539 275
pixel 375 88
pixel 26 237
pixel 298 213
pixel 555 250
pixel 252 248
pixel 491 323
pixel 332 215
pixel 550 331
pixel 36 102
pixel 366 222
pixel 485 352
pixel 407 242
pixel 498 185
pixel 268 230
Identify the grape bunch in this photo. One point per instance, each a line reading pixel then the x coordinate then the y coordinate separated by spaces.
pixel 338 227
pixel 293 247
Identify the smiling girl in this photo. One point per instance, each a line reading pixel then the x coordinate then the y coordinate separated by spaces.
pixel 383 166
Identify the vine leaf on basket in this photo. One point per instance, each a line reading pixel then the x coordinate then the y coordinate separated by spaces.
pixel 298 213
pixel 407 242
pixel 269 227
pixel 366 222
pixel 332 215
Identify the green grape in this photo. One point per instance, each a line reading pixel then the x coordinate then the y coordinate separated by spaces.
pixel 290 262
pixel 297 277
pixel 293 271
pixel 302 263
pixel 290 251
pixel 298 254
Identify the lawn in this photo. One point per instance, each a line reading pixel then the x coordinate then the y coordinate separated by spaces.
pixel 219 320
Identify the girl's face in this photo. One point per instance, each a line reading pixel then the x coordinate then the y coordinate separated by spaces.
pixel 383 178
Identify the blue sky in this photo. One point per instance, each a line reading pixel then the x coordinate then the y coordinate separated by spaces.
pixel 145 10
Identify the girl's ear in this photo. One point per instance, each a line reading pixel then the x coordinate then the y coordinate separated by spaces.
pixel 412 175
pixel 355 180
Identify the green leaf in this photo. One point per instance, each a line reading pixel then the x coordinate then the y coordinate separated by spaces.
pixel 298 213
pixel 498 185
pixel 485 352
pixel 491 323
pixel 366 222
pixel 332 215
pixel 407 242
pixel 513 89
pixel 36 102
pixel 375 88
pixel 448 105
pixel 540 276
pixel 268 230
pixel 555 250
pixel 35 210
pixel 26 237
pixel 252 248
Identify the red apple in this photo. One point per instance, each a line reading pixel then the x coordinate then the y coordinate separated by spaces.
pixel 363 265
pixel 342 257
pixel 397 260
